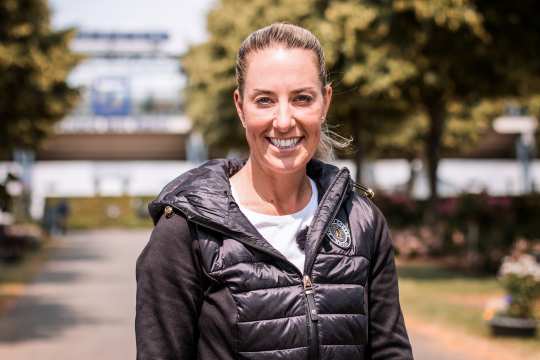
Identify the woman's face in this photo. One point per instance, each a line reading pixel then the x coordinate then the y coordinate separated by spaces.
pixel 282 108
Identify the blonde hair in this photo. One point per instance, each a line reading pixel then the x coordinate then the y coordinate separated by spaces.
pixel 292 37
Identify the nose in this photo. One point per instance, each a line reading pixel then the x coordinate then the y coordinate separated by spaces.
pixel 284 120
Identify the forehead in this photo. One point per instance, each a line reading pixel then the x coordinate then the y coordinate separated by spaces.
pixel 275 66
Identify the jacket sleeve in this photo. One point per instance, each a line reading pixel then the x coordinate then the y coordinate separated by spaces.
pixel 169 294
pixel 388 338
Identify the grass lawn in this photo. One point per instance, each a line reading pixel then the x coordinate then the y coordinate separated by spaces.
pixel 14 276
pixel 106 211
pixel 454 301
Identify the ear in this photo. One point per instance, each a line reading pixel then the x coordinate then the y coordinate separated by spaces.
pixel 327 99
pixel 239 106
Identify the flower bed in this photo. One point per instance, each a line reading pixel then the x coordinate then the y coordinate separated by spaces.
pixel 477 228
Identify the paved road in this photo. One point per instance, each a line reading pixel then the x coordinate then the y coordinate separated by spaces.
pixel 82 305
pixel 426 348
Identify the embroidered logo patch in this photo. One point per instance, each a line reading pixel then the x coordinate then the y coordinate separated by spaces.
pixel 339 234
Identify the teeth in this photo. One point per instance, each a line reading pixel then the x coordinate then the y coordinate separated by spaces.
pixel 284 143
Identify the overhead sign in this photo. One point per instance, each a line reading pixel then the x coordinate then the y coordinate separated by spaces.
pixel 515 124
pixel 120 44
pixel 168 124
pixel 110 96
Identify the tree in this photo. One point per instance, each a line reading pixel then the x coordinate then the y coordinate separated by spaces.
pixel 34 64
pixel 421 53
pixel 461 54
pixel 464 130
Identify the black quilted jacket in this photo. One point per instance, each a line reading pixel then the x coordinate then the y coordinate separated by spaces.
pixel 209 287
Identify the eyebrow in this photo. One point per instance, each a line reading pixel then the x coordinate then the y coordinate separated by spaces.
pixel 307 88
pixel 262 91
pixel 299 90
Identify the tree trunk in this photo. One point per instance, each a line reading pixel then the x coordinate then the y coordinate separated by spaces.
pixel 359 153
pixel 436 114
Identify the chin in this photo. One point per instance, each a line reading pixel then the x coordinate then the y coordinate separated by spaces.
pixel 286 165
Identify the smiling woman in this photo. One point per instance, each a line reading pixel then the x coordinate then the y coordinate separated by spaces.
pixel 282 113
pixel 274 256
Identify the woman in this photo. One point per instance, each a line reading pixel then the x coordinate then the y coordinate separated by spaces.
pixel 275 257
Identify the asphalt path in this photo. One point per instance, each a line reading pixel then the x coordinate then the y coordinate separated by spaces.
pixel 82 305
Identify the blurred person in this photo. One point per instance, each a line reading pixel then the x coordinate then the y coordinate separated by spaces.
pixel 62 214
pixel 275 256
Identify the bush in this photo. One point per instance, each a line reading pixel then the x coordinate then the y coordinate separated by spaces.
pixel 17 240
pixel 520 277
pixel 478 228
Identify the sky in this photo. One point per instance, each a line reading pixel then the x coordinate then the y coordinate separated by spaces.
pixel 184 20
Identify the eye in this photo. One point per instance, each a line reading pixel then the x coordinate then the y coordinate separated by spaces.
pixel 263 100
pixel 303 99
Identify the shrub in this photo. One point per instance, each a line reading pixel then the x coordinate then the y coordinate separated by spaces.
pixel 477 228
pixel 520 277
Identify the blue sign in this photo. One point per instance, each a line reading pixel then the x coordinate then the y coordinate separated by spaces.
pixel 110 96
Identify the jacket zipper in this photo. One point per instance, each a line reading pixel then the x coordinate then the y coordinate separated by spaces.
pixel 309 262
pixel 313 318
pixel 312 314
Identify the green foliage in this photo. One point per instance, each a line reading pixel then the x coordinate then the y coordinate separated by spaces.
pixel 34 64
pixel 524 291
pixel 520 277
pixel 464 128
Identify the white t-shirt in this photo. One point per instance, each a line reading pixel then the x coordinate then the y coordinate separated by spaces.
pixel 281 230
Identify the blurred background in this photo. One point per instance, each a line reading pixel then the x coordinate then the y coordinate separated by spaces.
pixel 104 102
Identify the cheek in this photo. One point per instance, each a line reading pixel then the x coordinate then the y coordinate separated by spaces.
pixel 311 121
pixel 258 115
pixel 315 133
pixel 311 113
pixel 254 128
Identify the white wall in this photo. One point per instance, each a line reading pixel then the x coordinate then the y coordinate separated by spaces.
pixel 89 178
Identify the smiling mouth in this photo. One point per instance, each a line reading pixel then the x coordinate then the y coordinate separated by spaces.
pixel 283 144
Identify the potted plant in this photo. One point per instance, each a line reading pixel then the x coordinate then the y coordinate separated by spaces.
pixel 520 276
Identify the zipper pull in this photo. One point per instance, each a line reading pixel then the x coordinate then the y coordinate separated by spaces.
pixel 307 283
pixel 308 290
pixel 364 190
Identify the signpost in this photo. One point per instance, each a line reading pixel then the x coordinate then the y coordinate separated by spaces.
pixel 525 126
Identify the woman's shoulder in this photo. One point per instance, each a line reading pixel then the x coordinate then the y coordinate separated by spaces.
pixel 363 197
pixel 169 239
pixel 367 214
pixel 171 225
pixel 212 174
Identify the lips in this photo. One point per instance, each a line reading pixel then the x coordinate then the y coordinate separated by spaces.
pixel 284 143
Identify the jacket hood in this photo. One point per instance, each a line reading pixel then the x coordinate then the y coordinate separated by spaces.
pixel 210 180
pixel 189 191
pixel 203 195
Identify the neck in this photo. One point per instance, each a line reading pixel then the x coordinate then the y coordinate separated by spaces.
pixel 274 194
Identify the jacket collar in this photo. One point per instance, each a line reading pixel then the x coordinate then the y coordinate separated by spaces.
pixel 203 195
